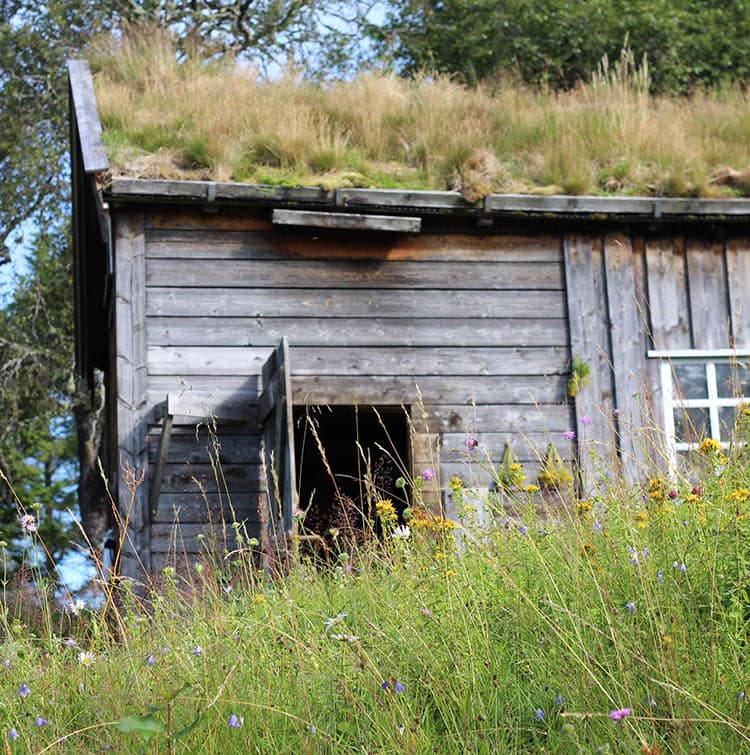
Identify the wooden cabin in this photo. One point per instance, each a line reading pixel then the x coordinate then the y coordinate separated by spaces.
pixel 399 321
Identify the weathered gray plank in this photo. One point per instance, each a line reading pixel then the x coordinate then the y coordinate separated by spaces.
pixel 738 272
pixel 589 341
pixel 208 239
pixel 190 360
pixel 229 449
pixel 87 117
pixel 183 538
pixel 284 273
pixel 211 507
pixel 347 221
pixel 500 418
pixel 362 303
pixel 390 389
pixel 194 478
pixel 130 350
pixel 667 293
pixel 627 331
pixel 709 299
pixel 222 407
pixel 378 331
pixel 525 445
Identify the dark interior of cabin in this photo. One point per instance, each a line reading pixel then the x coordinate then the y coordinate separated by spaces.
pixel 349 457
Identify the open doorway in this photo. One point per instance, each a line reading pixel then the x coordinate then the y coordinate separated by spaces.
pixel 347 459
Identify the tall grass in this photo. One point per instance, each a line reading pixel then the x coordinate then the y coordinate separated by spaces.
pixel 172 117
pixel 615 623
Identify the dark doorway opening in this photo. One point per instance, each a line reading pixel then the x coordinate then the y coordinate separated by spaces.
pixel 348 458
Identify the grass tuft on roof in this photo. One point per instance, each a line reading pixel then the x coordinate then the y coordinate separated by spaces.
pixel 176 117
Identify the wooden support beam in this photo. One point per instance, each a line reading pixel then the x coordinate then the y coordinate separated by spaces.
pixel 347 221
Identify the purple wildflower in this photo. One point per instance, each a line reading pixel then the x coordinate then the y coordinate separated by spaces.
pixel 630 606
pixel 40 721
pixel 586 420
pixel 398 688
pixel 6 663
pixel 683 568
pixel 471 442
pixel 523 529
pixel 560 700
pixel 660 577
pixel 539 714
pixel 13 733
pixel 235 722
pixel 597 526
pixel 197 651
pixel 427 474
pixel 384 685
pixel 70 643
pixel 150 660
pixel 27 522
pixel 569 435
pixel 24 690
pixel 616 412
pixel 673 494
pixel 620 713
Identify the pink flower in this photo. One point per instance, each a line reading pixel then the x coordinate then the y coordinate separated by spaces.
pixel 586 420
pixel 427 474
pixel 569 435
pixel 27 522
pixel 620 713
pixel 471 442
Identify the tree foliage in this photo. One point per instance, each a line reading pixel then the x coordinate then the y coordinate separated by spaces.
pixel 558 42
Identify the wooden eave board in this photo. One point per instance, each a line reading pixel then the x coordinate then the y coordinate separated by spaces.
pixel 652 209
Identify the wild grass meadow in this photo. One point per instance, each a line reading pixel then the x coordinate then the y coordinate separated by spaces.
pixel 614 623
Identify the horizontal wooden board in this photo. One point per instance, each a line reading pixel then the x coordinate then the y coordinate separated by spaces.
pixel 226 449
pixel 183 538
pixel 347 273
pixel 194 478
pixel 211 507
pixel 357 303
pixel 347 221
pixel 500 418
pixel 189 360
pixel 378 331
pixel 527 446
pixel 212 240
pixel 391 389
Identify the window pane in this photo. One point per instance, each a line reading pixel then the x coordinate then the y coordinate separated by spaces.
pixel 691 425
pixel 733 379
pixel 727 418
pixel 691 380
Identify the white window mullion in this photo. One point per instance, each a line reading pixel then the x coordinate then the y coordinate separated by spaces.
pixel 667 394
pixel 713 400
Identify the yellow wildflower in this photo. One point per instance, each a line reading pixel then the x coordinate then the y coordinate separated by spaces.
pixel 456 484
pixel 584 507
pixel 531 489
pixel 259 599
pixel 709 445
pixel 386 511
pixel 740 495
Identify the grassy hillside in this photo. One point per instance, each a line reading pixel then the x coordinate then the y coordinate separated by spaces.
pixel 618 624
pixel 201 119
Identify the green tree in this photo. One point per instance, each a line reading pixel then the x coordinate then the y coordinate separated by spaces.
pixel 687 42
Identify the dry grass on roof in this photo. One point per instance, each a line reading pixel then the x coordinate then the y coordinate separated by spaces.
pixel 199 119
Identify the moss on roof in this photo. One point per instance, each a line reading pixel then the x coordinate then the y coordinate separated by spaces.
pixel 204 119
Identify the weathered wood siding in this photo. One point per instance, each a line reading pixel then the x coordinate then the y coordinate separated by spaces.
pixel 469 331
pixel 628 293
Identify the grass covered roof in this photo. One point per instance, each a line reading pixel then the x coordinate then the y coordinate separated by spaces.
pixel 166 117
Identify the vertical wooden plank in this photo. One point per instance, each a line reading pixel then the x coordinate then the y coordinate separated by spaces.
pixel 738 274
pixel 130 359
pixel 589 341
pixel 628 331
pixel 667 293
pixel 278 430
pixel 709 300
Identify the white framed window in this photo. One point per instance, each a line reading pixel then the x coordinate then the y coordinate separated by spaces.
pixel 702 391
